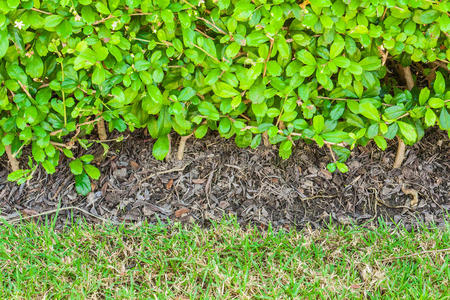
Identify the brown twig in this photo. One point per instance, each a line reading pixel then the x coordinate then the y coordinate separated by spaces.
pixel 268 56
pixel 41 11
pixel 216 27
pixel 78 126
pixel 25 89
pixel 208 54
pixel 103 20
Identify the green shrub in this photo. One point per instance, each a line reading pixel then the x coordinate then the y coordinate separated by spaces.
pixel 313 71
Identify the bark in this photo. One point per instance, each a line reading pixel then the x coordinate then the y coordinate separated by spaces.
pixel 12 160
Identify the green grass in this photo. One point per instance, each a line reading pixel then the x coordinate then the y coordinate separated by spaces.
pixel 225 261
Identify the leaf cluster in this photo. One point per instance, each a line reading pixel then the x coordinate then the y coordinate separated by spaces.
pixel 314 71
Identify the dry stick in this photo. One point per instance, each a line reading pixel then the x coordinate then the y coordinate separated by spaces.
pixel 161 173
pixel 41 11
pixel 400 156
pixel 181 146
pixel 12 159
pixel 101 130
pixel 416 254
pixel 62 209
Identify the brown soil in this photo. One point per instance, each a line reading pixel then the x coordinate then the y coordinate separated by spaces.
pixel 216 178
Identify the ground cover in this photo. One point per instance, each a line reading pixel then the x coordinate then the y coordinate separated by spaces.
pixel 225 261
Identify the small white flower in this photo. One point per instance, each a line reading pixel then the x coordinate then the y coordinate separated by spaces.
pixel 19 24
pixel 29 54
pixel 77 17
pixel 114 25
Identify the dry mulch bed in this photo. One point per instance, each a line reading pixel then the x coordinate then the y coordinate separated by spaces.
pixel 216 178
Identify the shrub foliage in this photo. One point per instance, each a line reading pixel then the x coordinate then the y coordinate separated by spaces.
pixel 273 70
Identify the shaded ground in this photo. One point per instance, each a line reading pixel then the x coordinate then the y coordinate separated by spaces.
pixel 217 178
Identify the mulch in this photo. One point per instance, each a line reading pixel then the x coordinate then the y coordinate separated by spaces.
pixel 216 178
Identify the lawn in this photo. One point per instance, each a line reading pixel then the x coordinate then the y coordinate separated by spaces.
pixel 224 261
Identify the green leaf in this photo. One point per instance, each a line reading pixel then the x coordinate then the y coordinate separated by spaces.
pixel 285 149
pixel 256 93
pixel 430 117
pixel 224 90
pixel 444 119
pixel 201 131
pixel 187 94
pixel 256 38
pixel 337 47
pixel 98 77
pixel 331 167
pixel 92 171
pixel 49 167
pixel 369 111
pixel 38 153
pixel 35 66
pixel 306 57
pixel 232 50
pixel 318 123
pixel 82 184
pixel 161 147
pixel 436 102
pixel 439 84
pixel 87 158
pixel 342 167
pixel 371 63
pixel 300 124
pixel 408 131
pixel 342 62
pixel 16 175
pixel 381 142
pixel 53 20
pixel 424 95
pixel 76 167
pixel 355 68
pixel 224 125
pixel 4 42
pixel 209 110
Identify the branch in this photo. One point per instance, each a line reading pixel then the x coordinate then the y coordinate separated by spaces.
pixel 12 160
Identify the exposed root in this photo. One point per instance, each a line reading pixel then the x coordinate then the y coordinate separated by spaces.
pixel 12 160
pixel 181 146
pixel 415 196
pixel 101 130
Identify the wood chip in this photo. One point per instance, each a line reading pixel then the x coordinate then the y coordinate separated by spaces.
pixel 169 184
pixel 181 212
pixel 134 165
pixel 199 180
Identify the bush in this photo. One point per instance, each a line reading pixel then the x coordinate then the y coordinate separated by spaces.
pixel 279 71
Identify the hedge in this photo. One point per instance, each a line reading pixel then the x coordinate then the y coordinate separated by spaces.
pixel 337 73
